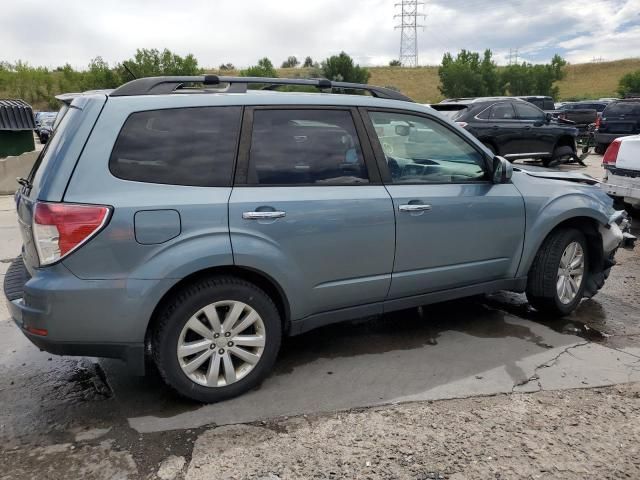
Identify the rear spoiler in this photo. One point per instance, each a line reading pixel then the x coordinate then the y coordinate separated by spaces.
pixel 67 98
pixel 449 107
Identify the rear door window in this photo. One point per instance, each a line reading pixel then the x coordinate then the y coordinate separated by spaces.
pixel 305 147
pixel 502 111
pixel 181 146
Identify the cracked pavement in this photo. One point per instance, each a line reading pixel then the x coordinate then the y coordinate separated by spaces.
pixel 406 395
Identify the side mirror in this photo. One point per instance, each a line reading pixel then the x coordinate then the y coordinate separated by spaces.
pixel 548 117
pixel 403 130
pixel 502 170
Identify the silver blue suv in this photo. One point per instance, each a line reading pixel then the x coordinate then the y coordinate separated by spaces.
pixel 196 221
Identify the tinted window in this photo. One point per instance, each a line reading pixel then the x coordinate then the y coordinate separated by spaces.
pixel 548 105
pixel 304 147
pixel 62 135
pixel 181 146
pixel 528 112
pixel 538 102
pixel 420 150
pixel 622 108
pixel 502 111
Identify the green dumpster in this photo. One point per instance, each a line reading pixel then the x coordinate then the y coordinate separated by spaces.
pixel 16 127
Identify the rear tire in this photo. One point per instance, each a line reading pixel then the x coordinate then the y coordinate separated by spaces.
pixel 552 287
pixel 194 320
pixel 600 148
pixel 564 154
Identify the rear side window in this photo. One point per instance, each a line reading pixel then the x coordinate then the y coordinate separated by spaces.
pixel 528 112
pixel 181 146
pixel 622 108
pixel 305 147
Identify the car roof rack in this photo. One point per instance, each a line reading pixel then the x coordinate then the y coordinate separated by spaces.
pixel 166 85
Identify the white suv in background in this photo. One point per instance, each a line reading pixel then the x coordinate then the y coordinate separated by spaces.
pixel 622 170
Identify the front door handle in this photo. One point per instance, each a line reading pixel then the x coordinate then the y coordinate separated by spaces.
pixel 415 208
pixel 269 215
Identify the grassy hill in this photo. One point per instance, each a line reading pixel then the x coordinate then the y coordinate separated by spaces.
pixel 583 80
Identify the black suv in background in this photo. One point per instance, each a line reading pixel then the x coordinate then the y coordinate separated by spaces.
pixel 513 128
pixel 542 102
pixel 618 119
pixel 582 114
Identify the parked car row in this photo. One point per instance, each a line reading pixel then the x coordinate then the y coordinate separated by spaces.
pixel 44 125
pixel 622 170
pixel 514 127
pixel 197 227
pixel 619 119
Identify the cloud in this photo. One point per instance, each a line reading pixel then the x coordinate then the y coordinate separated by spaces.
pixel 74 31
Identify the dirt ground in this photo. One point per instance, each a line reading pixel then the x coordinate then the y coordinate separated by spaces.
pixel 570 435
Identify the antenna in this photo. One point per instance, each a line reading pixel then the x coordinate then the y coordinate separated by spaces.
pixel 124 64
pixel 409 13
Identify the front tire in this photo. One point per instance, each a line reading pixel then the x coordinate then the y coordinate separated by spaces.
pixel 557 278
pixel 217 339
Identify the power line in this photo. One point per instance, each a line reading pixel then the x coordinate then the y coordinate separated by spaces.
pixel 409 13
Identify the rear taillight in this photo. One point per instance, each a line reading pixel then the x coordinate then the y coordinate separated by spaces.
pixel 61 228
pixel 598 121
pixel 611 155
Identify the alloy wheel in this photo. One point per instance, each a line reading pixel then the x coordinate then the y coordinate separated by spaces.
pixel 221 343
pixel 570 273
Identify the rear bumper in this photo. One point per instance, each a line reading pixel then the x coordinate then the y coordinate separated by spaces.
pixel 98 318
pixel 622 186
pixel 607 138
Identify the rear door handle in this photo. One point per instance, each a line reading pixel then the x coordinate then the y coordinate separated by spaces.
pixel 415 208
pixel 263 215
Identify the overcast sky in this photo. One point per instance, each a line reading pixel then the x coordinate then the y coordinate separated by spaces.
pixel 54 32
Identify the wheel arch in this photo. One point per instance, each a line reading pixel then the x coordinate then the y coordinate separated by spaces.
pixel 586 224
pixel 260 279
pixel 565 141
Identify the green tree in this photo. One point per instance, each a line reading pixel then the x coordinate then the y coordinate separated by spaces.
pixel 530 79
pixel 264 68
pixel 100 75
pixel 464 75
pixel 629 84
pixel 227 66
pixel 395 63
pixel 308 62
pixel 341 68
pixel 152 63
pixel 491 79
pixel 290 62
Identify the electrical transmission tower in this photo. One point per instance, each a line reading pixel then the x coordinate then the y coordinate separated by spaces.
pixel 409 13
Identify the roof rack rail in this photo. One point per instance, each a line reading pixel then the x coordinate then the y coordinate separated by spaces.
pixel 165 85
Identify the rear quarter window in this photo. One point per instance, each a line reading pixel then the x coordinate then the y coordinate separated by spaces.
pixel 180 146
pixel 622 108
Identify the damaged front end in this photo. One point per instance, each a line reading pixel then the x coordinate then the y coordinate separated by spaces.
pixel 615 234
